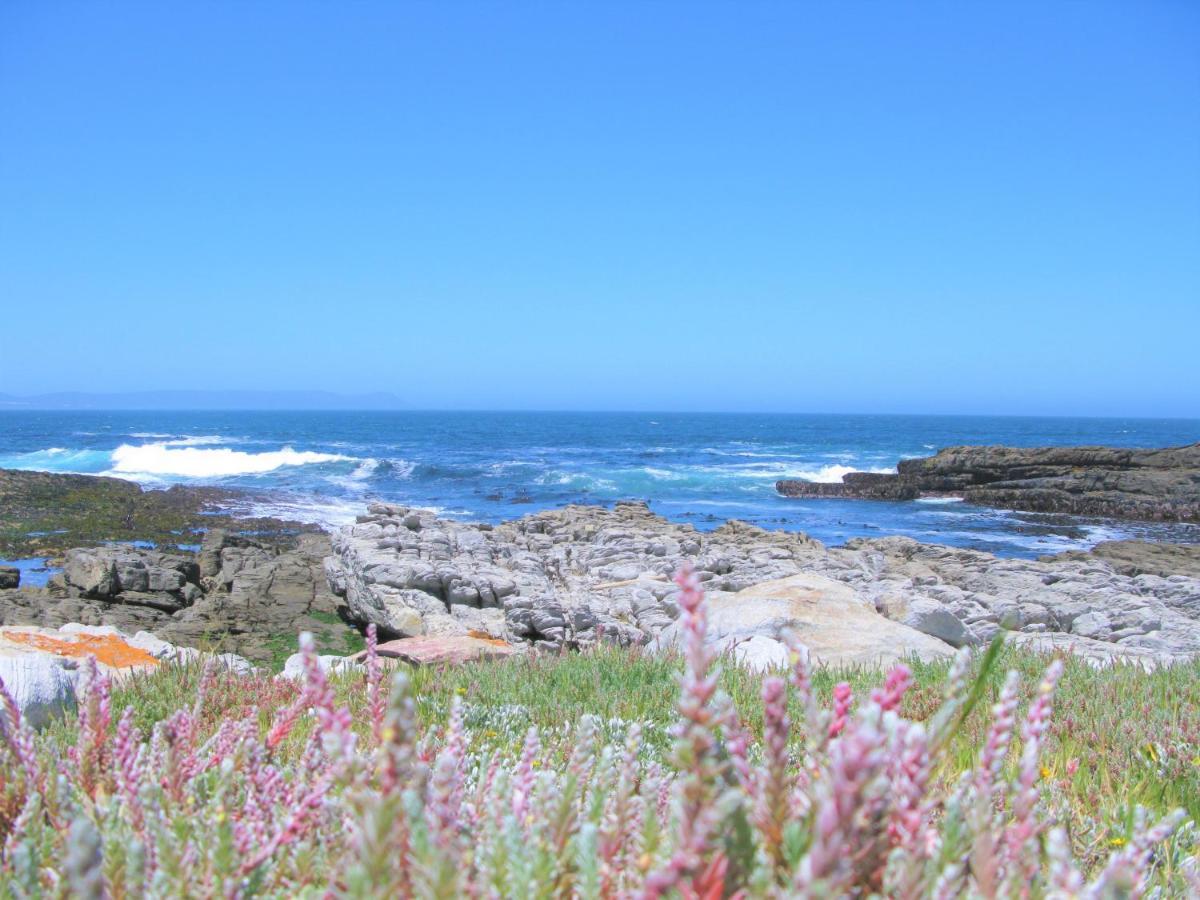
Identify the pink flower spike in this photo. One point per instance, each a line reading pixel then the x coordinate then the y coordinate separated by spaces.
pixel 894 688
pixel 843 698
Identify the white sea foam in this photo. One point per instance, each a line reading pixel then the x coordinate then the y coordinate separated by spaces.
pixel 365 469
pixel 131 461
pixel 579 481
pixel 823 475
pixel 197 440
pixel 662 474
pixel 939 499
pixel 328 512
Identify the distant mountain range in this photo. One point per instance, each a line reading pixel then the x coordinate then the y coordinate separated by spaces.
pixel 217 400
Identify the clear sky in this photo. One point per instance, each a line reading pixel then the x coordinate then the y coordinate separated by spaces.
pixel 857 207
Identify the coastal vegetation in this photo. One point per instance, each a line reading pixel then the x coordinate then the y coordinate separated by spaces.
pixel 613 772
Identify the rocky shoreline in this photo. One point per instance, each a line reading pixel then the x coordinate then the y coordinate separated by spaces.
pixel 169 562
pixel 1108 482
pixel 569 577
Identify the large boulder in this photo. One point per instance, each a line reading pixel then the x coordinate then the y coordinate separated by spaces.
pixel 41 666
pixel 10 578
pixel 837 626
pixel 928 617
pixel 42 684
pixel 115 653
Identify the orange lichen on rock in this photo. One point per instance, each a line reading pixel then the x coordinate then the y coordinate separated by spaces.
pixel 108 649
pixel 484 636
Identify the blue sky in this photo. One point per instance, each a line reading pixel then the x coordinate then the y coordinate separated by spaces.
pixel 988 208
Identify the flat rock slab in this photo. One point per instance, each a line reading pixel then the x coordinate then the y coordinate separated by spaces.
pixel 827 616
pixel 447 650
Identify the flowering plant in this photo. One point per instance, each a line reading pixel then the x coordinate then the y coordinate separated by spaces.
pixel 845 801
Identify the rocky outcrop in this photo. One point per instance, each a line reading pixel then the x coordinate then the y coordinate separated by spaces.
pixel 1126 617
pixel 576 575
pixel 561 578
pixel 10 578
pixel 1094 481
pixel 128 575
pixel 237 595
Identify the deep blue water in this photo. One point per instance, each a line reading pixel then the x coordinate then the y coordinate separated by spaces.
pixel 702 468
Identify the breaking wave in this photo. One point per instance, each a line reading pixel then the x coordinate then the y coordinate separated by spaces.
pixel 192 462
pixel 833 474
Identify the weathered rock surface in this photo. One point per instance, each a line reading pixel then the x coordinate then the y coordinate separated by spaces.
pixel 565 577
pixel 10 578
pixel 237 595
pixel 1141 558
pixel 40 666
pixel 41 684
pixel 836 624
pixel 582 573
pixel 1089 598
pixel 1093 481
pixel 129 575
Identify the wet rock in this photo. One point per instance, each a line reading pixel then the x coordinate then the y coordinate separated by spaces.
pixel 10 578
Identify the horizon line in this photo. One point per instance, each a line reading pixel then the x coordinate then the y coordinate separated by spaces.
pixel 584 411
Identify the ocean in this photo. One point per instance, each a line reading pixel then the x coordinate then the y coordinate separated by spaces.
pixel 489 466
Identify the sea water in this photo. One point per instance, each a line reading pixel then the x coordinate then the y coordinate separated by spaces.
pixel 491 466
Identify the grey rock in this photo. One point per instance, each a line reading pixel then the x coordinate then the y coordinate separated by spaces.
pixel 936 619
pixel 572 576
pixel 41 684
pixel 1092 625
pixel 293 669
pixel 251 595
